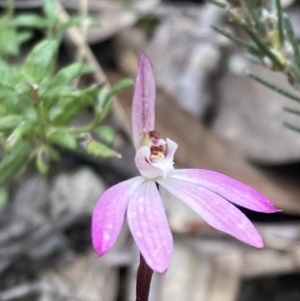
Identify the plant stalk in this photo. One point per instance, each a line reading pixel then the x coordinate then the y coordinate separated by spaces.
pixel 143 281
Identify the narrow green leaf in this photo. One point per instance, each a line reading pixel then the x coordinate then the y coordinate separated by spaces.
pixel 121 85
pixel 9 122
pixel 9 76
pixel 291 127
pixel 14 161
pixel 63 138
pixel 106 96
pixel 291 111
pixel 66 75
pixel 52 96
pixel 50 10
pixel 39 60
pixel 29 20
pixel 253 58
pixel 106 133
pixel 274 87
pixel 3 198
pixel 263 46
pixel 10 100
pixel 292 38
pixel 23 37
pixel 279 22
pixel 42 160
pixel 69 107
pixel 255 13
pixel 53 154
pixel 100 150
pixel 235 39
pixel 18 134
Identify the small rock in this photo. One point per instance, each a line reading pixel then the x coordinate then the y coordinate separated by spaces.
pixel 251 117
pixel 54 244
pixel 76 192
pixel 185 53
pixel 84 277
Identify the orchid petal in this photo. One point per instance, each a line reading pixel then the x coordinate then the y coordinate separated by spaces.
pixel 149 227
pixel 230 189
pixel 108 215
pixel 215 210
pixel 157 168
pixel 143 104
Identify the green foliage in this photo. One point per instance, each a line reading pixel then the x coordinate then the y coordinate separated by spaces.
pixel 106 96
pixel 105 133
pixel 42 160
pixel 14 161
pixel 272 44
pixel 38 104
pixel 96 148
pixel 3 198
pixel 38 63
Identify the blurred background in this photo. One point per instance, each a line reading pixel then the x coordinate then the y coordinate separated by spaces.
pixel 222 120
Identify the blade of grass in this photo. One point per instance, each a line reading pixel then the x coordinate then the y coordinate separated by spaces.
pixel 291 111
pixel 279 21
pixel 263 46
pixel 252 10
pixel 274 87
pixel 291 127
pixel 235 39
pixel 253 58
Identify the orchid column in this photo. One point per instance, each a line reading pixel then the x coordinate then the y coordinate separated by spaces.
pixel 208 193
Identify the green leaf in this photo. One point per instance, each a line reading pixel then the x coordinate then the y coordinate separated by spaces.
pixel 66 75
pixel 53 154
pixel 50 10
pixel 280 21
pixel 106 133
pixel 42 160
pixel 50 97
pixel 30 20
pixel 3 198
pixel 39 60
pixel 255 15
pixel 23 37
pixel 63 138
pixel 105 96
pixel 274 87
pixel 14 161
pixel 69 107
pixel 9 76
pixel 291 111
pixel 291 127
pixel 234 38
pixel 18 134
pixel 263 46
pixel 9 122
pixel 253 58
pixel 100 150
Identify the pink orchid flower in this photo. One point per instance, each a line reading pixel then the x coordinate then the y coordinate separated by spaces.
pixel 208 193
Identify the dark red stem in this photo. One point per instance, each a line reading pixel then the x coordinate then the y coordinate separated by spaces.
pixel 143 281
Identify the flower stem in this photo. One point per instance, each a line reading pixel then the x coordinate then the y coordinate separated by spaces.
pixel 143 281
